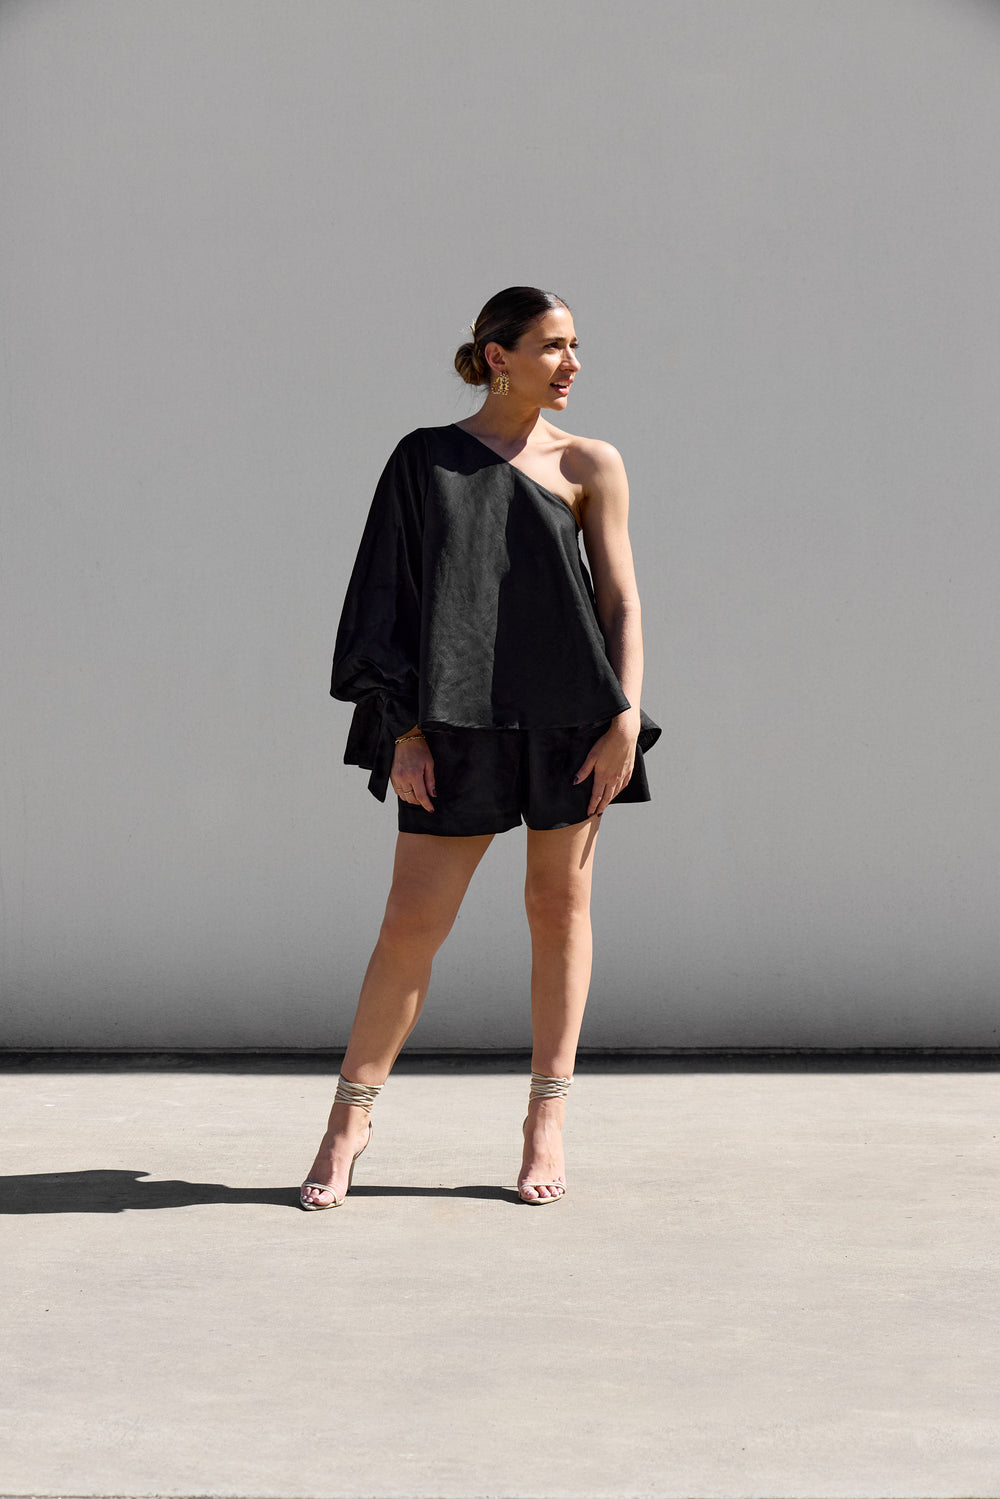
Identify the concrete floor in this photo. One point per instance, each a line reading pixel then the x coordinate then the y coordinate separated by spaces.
pixel 762 1282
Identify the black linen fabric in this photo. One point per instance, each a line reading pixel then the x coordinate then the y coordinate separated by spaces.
pixel 489 780
pixel 469 606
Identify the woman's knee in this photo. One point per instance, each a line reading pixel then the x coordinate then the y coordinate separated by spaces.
pixel 556 909
pixel 414 924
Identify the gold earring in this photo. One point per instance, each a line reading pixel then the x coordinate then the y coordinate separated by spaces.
pixel 500 384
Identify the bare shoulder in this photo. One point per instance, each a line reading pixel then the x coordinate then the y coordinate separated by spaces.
pixel 595 467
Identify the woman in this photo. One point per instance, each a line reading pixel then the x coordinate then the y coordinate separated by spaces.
pixel 487 689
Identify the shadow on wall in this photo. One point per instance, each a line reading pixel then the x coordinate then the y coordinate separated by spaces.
pixel 100 1191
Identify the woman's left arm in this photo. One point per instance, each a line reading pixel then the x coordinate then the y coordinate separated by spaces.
pixel 604 516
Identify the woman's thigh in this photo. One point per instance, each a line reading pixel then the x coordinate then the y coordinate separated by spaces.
pixel 560 865
pixel 430 877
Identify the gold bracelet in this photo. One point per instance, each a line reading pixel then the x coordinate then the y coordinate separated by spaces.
pixel 403 738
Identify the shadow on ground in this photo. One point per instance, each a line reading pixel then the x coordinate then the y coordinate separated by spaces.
pixel 121 1191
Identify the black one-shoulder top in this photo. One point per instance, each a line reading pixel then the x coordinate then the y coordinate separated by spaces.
pixel 469 606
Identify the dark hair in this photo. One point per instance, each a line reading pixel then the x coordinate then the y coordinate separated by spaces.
pixel 504 320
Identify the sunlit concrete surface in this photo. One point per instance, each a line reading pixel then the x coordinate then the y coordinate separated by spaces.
pixel 762 1282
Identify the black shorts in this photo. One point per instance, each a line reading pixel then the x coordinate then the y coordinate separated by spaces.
pixel 487 779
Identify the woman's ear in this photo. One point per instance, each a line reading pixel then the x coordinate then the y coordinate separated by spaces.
pixel 495 356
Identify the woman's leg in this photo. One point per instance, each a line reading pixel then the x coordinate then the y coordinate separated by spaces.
pixel 557 901
pixel 430 877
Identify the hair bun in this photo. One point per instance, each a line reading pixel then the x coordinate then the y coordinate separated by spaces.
pixel 470 364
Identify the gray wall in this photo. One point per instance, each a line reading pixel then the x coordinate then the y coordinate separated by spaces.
pixel 244 238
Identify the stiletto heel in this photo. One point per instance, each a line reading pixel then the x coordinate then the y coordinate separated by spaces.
pixel 337 1202
pixel 360 1095
pixel 544 1087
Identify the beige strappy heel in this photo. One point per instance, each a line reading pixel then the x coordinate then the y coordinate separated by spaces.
pixel 545 1087
pixel 362 1096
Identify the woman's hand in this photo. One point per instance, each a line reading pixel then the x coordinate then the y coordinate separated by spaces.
pixel 412 773
pixel 611 759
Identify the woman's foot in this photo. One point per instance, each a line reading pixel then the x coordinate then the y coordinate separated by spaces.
pixel 542 1177
pixel 346 1137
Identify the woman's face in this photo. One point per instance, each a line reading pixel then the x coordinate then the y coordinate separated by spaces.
pixel 543 364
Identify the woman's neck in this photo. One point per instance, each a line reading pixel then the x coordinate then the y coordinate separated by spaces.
pixel 503 422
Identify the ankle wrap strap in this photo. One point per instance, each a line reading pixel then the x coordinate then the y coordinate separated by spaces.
pixel 361 1095
pixel 548 1087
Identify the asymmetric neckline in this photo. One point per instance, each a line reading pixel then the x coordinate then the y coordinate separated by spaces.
pixel 530 478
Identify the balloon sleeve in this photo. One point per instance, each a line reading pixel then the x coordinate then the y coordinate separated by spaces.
pixel 377 654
